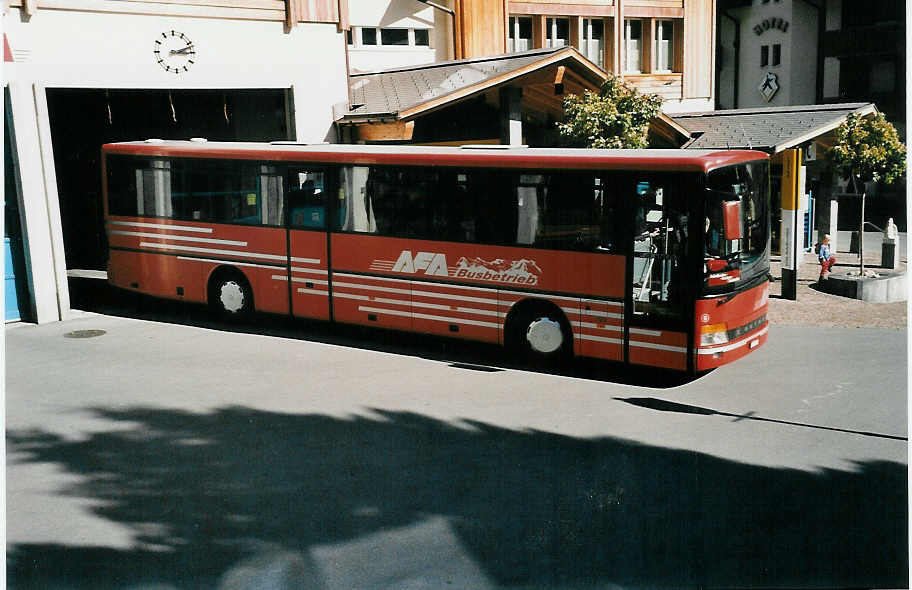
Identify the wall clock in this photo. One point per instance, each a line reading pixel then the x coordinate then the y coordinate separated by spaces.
pixel 174 52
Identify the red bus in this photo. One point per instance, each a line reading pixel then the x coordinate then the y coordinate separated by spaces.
pixel 650 257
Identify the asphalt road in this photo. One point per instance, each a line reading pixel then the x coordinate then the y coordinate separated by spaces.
pixel 173 451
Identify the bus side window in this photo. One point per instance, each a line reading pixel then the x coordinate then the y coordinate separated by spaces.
pixel 307 199
pixel 356 211
pixel 122 185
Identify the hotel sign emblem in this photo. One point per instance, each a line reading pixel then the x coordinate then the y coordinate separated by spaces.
pixel 769 87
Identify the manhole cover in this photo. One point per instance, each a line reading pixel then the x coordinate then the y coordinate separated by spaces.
pixel 84 333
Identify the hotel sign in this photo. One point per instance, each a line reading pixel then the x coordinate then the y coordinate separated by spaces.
pixel 771 23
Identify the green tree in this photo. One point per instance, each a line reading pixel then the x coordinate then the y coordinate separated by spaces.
pixel 616 116
pixel 867 149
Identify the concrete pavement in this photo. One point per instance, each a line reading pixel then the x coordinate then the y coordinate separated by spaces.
pixel 185 453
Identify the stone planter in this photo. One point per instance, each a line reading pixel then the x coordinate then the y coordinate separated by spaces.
pixel 880 286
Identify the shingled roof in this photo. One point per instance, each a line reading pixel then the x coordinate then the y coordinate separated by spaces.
pixel 403 94
pixel 771 129
pixel 397 92
pixel 391 91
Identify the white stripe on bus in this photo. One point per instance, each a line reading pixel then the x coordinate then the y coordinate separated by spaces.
pixel 211 251
pixel 205 230
pixel 592 326
pixel 306 260
pixel 313 271
pixel 497 314
pixel 337 295
pixel 304 280
pixel 456 297
pixel 179 238
pixel 600 339
pixel 602 302
pixel 645 332
pixel 313 292
pixel 372 288
pixel 231 262
pixel 424 316
pixel 602 314
pixel 735 345
pixel 422 304
pixel 639 344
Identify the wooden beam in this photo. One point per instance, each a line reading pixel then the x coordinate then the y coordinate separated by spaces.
pixel 395 131
pixel 559 80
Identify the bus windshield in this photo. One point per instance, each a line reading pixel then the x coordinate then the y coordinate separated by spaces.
pixel 734 256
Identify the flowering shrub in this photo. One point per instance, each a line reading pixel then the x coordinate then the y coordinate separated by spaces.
pixel 617 116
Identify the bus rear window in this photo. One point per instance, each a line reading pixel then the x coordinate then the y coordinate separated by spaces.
pixel 213 191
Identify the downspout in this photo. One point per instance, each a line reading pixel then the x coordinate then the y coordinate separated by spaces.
pixel 452 14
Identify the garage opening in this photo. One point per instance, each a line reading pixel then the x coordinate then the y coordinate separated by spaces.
pixel 82 120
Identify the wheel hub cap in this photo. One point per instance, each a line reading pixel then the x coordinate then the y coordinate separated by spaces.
pixel 545 335
pixel 232 297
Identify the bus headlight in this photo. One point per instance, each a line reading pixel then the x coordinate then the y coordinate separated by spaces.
pixel 713 334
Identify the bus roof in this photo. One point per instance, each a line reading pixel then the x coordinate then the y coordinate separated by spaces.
pixel 469 156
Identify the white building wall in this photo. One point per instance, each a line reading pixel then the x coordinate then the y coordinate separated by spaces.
pixel 401 14
pixel 797 71
pixel 72 49
pixel 801 55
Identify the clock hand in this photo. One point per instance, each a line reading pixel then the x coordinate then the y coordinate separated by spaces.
pixel 184 51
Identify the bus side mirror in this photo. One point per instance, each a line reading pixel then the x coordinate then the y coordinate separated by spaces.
pixel 731 219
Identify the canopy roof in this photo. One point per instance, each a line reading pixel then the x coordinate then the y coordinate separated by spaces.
pixel 771 129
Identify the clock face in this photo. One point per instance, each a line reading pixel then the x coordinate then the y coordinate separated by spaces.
pixel 174 52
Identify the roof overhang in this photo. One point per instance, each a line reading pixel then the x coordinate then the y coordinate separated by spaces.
pixel 824 130
pixel 566 68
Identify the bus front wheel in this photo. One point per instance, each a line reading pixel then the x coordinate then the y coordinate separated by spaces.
pixel 230 295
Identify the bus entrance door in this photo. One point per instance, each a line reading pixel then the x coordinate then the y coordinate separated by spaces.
pixel 308 264
pixel 656 335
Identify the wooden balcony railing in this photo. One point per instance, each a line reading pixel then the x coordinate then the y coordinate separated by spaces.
pixel 291 12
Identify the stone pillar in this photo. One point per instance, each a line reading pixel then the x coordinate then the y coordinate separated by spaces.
pixel 42 232
pixel 827 224
pixel 889 253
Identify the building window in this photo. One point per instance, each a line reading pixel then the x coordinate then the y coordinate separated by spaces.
pixel 594 40
pixel 633 46
pixel 558 31
pixel 664 45
pixel 394 37
pixel 777 54
pixel 391 37
pixel 882 76
pixel 519 36
pixel 764 55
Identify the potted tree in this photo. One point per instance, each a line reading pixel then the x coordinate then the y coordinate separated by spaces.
pixel 867 149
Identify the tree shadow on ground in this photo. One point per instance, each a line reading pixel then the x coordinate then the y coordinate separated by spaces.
pixel 202 491
pixel 97 296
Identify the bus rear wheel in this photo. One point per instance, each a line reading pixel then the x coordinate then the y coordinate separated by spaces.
pixel 230 295
pixel 540 334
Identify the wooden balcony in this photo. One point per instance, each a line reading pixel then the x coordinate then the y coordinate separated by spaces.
pixel 289 11
pixel 667 86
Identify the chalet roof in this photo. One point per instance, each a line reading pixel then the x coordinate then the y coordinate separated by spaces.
pixel 392 91
pixel 402 94
pixel 399 92
pixel 771 129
